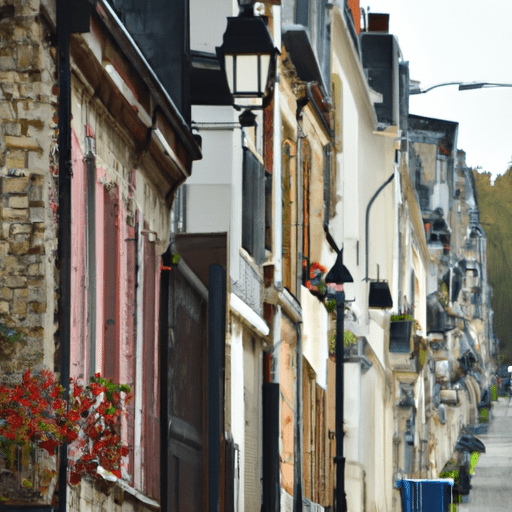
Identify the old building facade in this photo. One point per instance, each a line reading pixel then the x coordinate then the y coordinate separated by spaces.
pixel 205 291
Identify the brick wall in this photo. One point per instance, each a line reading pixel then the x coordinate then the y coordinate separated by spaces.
pixel 27 186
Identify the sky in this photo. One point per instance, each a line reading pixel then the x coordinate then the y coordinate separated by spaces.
pixel 466 41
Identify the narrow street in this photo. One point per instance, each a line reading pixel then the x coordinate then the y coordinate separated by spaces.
pixel 492 483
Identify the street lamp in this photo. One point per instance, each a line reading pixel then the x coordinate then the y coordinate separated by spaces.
pixel 463 86
pixel 335 279
pixel 248 58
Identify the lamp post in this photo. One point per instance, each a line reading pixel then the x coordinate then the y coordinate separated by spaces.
pixel 463 86
pixel 335 279
pixel 248 57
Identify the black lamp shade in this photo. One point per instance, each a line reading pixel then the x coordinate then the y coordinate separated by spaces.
pixel 380 296
pixel 339 274
pixel 247 56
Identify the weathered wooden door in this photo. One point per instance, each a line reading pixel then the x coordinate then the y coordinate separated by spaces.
pixel 187 396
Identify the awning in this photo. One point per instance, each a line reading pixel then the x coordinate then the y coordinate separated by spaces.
pixel 469 443
pixel 298 45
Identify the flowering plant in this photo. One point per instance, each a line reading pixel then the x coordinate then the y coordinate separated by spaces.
pixel 36 414
pixel 317 286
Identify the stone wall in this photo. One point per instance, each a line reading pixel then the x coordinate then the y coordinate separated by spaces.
pixel 28 188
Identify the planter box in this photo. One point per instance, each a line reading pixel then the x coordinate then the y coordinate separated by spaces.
pixel 400 335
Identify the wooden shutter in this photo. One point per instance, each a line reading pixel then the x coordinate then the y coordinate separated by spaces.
pixel 253 207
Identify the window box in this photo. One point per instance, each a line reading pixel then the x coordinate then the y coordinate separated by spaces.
pixel 400 335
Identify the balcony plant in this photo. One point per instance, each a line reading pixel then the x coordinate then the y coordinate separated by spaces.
pixel 35 419
pixel 349 341
pixel 317 286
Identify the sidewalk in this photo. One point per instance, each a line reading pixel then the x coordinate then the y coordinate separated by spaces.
pixel 492 479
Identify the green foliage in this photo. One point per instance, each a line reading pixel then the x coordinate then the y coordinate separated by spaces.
pixel 442 294
pixel 450 470
pixel 330 305
pixel 403 318
pixel 472 461
pixel 8 335
pixel 495 205
pixel 348 339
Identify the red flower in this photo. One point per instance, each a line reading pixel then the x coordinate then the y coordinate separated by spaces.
pixel 73 416
pixel 96 389
pixel 75 478
pixel 49 446
pixel 36 413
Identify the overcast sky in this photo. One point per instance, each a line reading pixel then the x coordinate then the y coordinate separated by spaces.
pixel 460 40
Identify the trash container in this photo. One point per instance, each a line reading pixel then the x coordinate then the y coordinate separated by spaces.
pixel 422 495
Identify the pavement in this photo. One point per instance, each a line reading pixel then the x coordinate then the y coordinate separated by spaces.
pixel 492 478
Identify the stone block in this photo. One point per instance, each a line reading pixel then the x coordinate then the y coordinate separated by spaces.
pixel 36 295
pixel 14 266
pixel 5 293
pixel 19 308
pixel 4 307
pixel 16 229
pixel 27 91
pixel 19 247
pixel 18 202
pixel 12 128
pixel 20 237
pixel 15 214
pixel 22 143
pixel 11 91
pixel 24 56
pixel 5 229
pixel 20 294
pixel 37 214
pixel 35 110
pixel 37 249
pixel 16 159
pixel 7 110
pixel 4 249
pixel 37 307
pixel 36 193
pixel 34 270
pixel 15 281
pixel 14 184
pixel 7 62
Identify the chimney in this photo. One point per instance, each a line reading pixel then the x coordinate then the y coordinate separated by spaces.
pixel 378 22
pixel 354 6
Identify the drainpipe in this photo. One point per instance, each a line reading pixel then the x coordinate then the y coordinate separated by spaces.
pixel 297 474
pixel 367 222
pixel 64 228
pixel 166 281
pixel 90 162
pixel 277 170
pixel 297 449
